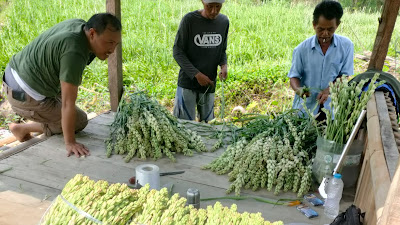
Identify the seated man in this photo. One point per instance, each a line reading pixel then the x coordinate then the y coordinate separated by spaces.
pixel 41 81
pixel 320 59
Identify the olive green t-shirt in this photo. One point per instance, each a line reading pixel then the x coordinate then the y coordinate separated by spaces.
pixel 59 54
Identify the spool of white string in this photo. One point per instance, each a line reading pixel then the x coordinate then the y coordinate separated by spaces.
pixel 148 174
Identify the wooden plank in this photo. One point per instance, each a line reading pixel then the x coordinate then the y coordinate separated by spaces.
pixel 115 61
pixel 365 198
pixel 269 212
pixel 388 141
pixel 180 186
pixel 361 179
pixel 98 161
pixel 12 204
pixel 45 168
pixel 95 130
pixel 98 165
pixel 391 212
pixel 379 173
pixel 33 189
pixel 22 146
pixel 106 118
pixel 57 171
pixel 7 140
pixel 384 34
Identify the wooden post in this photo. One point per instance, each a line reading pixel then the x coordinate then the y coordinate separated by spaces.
pixel 384 34
pixel 115 61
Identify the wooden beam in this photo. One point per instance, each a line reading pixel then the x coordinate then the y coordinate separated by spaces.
pixel 388 141
pixel 21 147
pixel 115 62
pixel 379 172
pixel 384 34
pixel 391 212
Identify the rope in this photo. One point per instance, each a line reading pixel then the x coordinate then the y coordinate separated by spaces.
pixel 83 213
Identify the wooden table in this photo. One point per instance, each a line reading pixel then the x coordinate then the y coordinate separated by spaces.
pixel 42 170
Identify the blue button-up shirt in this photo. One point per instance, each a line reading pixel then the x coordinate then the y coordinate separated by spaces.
pixel 315 70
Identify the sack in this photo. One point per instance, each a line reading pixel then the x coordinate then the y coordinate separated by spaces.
pixel 352 216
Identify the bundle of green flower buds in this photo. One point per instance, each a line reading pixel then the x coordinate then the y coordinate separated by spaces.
pixel 348 100
pixel 270 158
pixel 84 201
pixel 144 128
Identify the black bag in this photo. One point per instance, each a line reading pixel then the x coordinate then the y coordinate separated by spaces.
pixel 352 216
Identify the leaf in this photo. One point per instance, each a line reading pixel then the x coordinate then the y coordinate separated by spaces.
pixel 385 68
pixel 252 105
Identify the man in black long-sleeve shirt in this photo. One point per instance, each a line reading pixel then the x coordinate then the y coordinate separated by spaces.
pixel 200 47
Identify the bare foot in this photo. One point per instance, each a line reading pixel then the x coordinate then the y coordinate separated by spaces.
pixel 19 132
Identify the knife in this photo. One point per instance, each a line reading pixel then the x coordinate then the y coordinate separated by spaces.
pixel 171 173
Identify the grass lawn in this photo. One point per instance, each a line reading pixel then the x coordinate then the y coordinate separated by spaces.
pixel 261 40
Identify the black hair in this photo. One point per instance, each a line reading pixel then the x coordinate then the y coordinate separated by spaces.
pixel 100 21
pixel 329 9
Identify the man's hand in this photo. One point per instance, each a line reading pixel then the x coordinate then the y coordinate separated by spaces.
pixel 77 149
pixel 301 91
pixel 223 74
pixel 323 96
pixel 296 86
pixel 203 79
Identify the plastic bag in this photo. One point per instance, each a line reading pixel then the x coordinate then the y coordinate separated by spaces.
pixel 328 155
pixel 352 216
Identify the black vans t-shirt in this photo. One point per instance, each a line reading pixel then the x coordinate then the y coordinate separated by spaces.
pixel 200 45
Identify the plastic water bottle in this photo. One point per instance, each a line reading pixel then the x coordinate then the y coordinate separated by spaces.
pixel 334 191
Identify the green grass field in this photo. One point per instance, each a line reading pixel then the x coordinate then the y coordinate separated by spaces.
pixel 261 40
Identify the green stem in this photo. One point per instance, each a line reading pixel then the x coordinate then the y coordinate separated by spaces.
pixel 3 171
pixel 268 201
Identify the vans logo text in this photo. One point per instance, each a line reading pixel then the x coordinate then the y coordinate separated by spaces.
pixel 208 40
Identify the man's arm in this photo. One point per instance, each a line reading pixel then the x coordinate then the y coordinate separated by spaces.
pixel 295 74
pixel 69 94
pixel 182 59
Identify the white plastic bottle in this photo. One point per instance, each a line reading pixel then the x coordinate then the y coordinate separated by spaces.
pixel 334 191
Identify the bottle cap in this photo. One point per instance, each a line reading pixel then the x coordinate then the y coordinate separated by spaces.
pixel 337 176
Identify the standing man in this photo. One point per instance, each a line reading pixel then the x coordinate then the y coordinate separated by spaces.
pixel 41 81
pixel 200 47
pixel 320 59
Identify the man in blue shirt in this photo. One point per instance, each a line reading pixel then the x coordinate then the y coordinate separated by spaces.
pixel 320 59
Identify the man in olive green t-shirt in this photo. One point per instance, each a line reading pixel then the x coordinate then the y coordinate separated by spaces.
pixel 41 81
